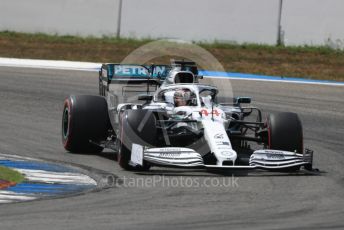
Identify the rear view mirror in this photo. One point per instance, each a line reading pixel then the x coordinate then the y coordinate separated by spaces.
pixel 145 97
pixel 240 100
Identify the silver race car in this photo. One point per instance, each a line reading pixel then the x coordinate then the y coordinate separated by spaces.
pixel 162 115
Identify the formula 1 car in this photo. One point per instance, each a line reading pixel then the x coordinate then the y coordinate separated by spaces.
pixel 161 115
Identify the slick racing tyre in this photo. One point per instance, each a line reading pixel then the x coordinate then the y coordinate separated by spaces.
pixel 85 118
pixel 285 133
pixel 139 127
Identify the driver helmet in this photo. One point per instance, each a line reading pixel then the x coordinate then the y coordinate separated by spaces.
pixel 182 97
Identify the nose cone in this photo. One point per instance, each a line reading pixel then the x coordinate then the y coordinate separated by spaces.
pixel 226 155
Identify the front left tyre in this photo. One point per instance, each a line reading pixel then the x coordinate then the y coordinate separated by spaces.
pixel 85 121
pixel 139 127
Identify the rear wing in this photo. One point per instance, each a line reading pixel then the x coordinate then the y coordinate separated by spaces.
pixel 130 73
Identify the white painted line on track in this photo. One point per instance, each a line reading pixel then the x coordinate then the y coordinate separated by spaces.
pixel 278 81
pixel 57 177
pixel 8 197
pixel 15 157
pixel 47 64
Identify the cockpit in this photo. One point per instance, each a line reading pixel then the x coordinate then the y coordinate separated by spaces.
pixel 180 96
pixel 197 95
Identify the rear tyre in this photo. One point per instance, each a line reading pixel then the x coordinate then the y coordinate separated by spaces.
pixel 85 118
pixel 285 133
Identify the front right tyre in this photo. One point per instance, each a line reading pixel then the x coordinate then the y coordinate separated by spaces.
pixel 285 133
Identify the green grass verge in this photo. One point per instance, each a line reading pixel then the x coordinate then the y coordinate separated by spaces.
pixel 71 39
pixel 313 62
pixel 10 175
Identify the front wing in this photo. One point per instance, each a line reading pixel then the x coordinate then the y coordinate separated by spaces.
pixel 188 158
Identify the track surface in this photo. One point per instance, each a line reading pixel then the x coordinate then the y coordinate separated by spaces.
pixel 31 103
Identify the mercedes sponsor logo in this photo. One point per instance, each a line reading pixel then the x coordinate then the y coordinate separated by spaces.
pixel 219 136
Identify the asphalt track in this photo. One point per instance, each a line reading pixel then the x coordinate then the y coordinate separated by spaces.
pixel 31 103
